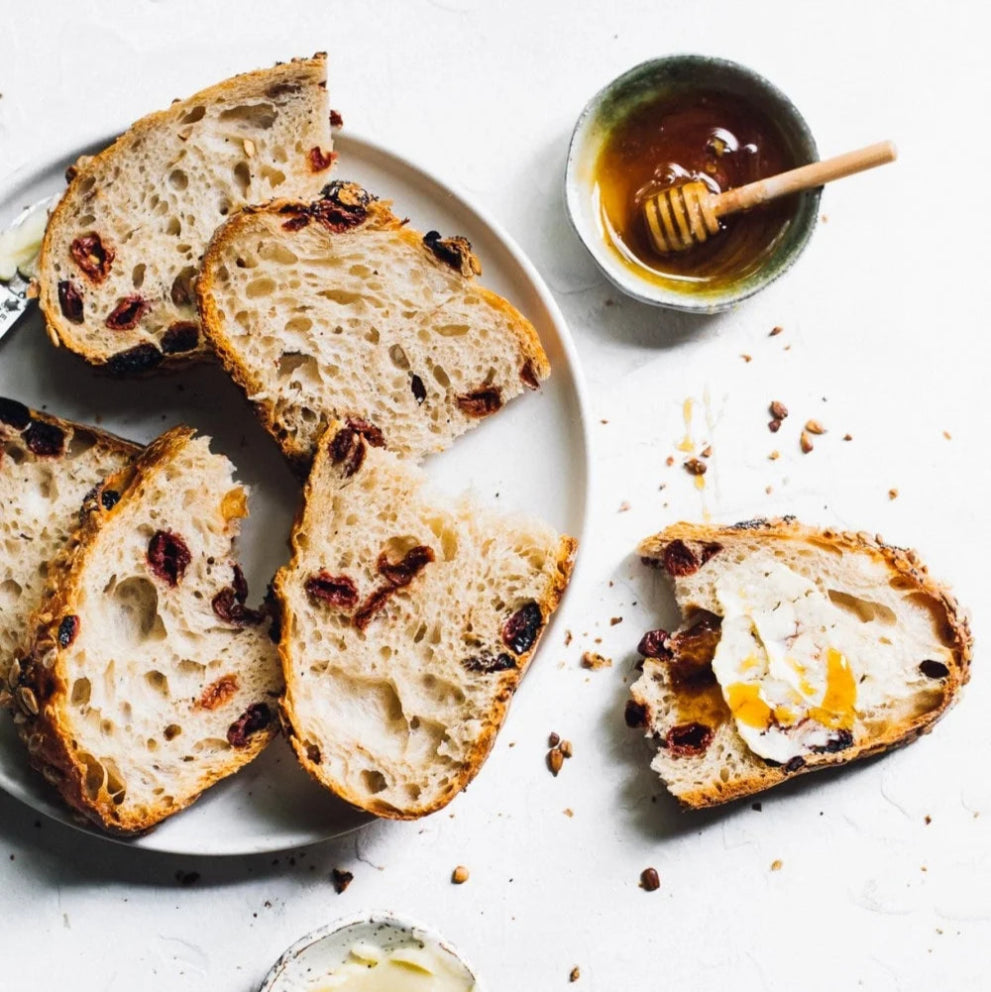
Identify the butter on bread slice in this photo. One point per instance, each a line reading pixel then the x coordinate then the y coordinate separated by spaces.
pixel 800 648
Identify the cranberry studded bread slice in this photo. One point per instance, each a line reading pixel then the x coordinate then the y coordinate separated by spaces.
pixel 148 678
pixel 407 624
pixel 47 467
pixel 337 309
pixel 800 649
pixel 123 247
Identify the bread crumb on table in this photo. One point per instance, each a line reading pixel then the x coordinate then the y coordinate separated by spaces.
pixel 650 881
pixel 892 493
pixel 776 864
pixel 460 875
pixel 775 331
pixel 341 879
pixel 575 974
pixel 590 659
pixel 624 506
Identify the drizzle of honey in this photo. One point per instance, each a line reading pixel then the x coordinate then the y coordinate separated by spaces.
pixel 837 707
pixel 746 705
pixel 679 136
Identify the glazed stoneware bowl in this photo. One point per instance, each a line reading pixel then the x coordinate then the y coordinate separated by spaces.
pixel 680 76
pixel 312 958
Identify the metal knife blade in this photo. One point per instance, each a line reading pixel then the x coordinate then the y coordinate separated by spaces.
pixel 14 303
pixel 14 298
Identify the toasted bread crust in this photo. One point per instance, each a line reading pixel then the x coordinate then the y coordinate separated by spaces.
pixel 509 679
pixel 40 690
pixel 60 330
pixel 379 217
pixel 903 565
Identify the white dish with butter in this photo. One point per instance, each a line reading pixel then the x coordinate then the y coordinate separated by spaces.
pixel 375 952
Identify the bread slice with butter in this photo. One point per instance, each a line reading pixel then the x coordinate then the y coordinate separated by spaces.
pixel 338 308
pixel 47 467
pixel 148 678
pixel 800 649
pixel 407 623
pixel 122 250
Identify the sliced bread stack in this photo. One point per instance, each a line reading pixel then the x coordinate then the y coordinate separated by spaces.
pixel 337 309
pixel 148 678
pixel 800 648
pixel 122 249
pixel 407 624
pixel 47 467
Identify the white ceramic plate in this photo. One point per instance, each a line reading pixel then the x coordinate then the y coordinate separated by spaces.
pixel 533 457
pixel 312 957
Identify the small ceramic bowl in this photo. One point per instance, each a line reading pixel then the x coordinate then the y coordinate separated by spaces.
pixel 676 74
pixel 314 956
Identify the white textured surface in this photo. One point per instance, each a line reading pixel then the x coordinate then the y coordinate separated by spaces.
pixel 882 317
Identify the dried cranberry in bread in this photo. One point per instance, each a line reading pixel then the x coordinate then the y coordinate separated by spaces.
pixel 800 649
pixel 123 247
pixel 407 623
pixel 337 309
pixel 47 467
pixel 148 677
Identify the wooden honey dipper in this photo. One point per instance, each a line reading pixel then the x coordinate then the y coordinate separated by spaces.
pixel 685 215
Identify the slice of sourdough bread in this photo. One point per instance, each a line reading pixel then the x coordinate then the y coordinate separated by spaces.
pixel 800 648
pixel 148 679
pixel 407 624
pixel 123 247
pixel 47 467
pixel 337 309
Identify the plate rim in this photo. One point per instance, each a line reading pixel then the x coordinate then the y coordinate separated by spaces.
pixel 50 157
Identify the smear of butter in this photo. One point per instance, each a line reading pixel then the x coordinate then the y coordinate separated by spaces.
pixel 415 968
pixel 20 244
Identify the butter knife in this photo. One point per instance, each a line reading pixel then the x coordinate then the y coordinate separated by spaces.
pixel 15 300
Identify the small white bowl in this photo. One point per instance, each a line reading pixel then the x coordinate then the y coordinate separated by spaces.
pixel 314 956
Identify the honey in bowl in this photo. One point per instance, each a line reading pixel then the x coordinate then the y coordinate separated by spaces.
pixel 678 135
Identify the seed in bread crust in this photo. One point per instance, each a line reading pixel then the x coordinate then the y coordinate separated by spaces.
pixel 335 590
pixel 256 717
pixel 45 439
pixel 70 301
pixel 127 313
pixel 92 256
pixel 486 663
pixel 67 630
pixel 455 252
pixel 15 414
pixel 650 881
pixel 688 739
pixel 27 700
pixel 168 556
pixel 480 402
pixel 519 632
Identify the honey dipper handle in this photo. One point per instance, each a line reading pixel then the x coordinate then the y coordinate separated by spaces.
pixel 805 177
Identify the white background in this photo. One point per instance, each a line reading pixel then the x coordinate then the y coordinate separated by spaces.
pixel 885 337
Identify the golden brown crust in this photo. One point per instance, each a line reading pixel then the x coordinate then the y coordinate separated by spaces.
pixel 905 564
pixel 509 679
pixel 58 329
pixel 379 217
pixel 40 689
